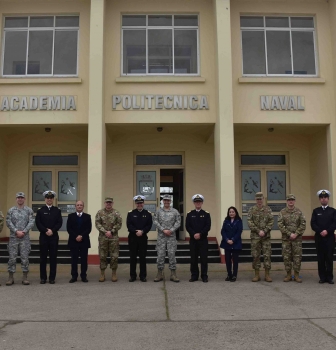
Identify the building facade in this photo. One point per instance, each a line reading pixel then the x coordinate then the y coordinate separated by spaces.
pixel 218 97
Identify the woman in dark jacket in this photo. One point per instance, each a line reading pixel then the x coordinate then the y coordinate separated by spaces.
pixel 231 242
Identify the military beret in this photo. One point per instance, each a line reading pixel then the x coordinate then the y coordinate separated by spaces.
pixel 259 195
pixel 20 194
pixel 108 199
pixel 166 197
pixel 49 193
pixel 290 196
pixel 323 193
pixel 139 199
pixel 197 198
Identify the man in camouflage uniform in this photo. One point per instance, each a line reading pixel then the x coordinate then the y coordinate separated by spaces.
pixel 292 225
pixel 2 220
pixel 260 221
pixel 108 223
pixel 167 220
pixel 20 220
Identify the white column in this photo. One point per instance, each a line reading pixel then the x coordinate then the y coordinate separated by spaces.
pixel 224 137
pixel 96 122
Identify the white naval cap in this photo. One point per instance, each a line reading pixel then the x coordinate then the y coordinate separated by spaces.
pixel 197 198
pixel 139 198
pixel 323 193
pixel 49 194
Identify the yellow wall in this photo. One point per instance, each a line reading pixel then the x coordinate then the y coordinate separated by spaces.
pixel 3 179
pixel 46 86
pixel 114 10
pixel 319 98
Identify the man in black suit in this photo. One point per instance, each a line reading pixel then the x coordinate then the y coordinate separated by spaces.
pixel 198 224
pixel 48 221
pixel 139 222
pixel 79 226
pixel 323 222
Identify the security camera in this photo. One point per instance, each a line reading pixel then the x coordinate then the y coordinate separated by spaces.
pixel 159 129
pixel 47 129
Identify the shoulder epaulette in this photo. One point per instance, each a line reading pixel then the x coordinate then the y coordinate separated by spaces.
pixel 207 212
pixel 130 211
pixel 189 211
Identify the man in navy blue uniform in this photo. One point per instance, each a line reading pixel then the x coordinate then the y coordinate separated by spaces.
pixel 139 223
pixel 198 224
pixel 79 226
pixel 48 221
pixel 323 223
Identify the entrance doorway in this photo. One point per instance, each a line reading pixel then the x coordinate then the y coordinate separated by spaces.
pixel 155 181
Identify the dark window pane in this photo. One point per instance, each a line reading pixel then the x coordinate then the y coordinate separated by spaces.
pixel 184 20
pixel 278 52
pixel 303 52
pixel 67 21
pixel 55 160
pixel 41 21
pixel 302 22
pixel 65 59
pixel 16 22
pixel 159 160
pixel 15 53
pixel 40 52
pixel 250 21
pixel 159 20
pixel 130 20
pixel 263 160
pixel 277 22
pixel 134 51
pixel 160 56
pixel 185 49
pixel 254 60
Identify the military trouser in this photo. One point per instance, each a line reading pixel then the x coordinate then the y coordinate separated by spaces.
pixel 14 245
pixel 257 245
pixel 170 243
pixel 108 245
pixel 292 254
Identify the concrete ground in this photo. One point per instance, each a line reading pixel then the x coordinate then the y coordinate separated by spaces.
pixel 167 315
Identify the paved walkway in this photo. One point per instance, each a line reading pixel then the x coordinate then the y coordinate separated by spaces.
pixel 167 315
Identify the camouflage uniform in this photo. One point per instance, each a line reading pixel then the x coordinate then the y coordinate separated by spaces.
pixel 292 221
pixel 2 220
pixel 166 220
pixel 19 219
pixel 108 220
pixel 260 220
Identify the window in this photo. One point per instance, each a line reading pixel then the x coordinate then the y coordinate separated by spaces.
pixel 40 45
pixel 159 160
pixel 274 46
pixel 160 44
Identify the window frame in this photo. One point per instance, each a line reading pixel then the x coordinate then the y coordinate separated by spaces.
pixel 29 29
pixel 146 28
pixel 289 29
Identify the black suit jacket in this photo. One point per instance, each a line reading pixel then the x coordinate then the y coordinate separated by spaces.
pixel 137 220
pixel 198 222
pixel 74 230
pixel 51 219
pixel 324 220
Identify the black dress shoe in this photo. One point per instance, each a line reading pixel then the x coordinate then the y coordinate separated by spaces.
pixel 193 279
pixel 227 279
pixel 233 279
pixel 322 281
pixel 73 280
pixel 143 279
pixel 52 281
pixel 205 280
pixel 132 279
pixel 43 282
pixel 85 280
pixel 331 281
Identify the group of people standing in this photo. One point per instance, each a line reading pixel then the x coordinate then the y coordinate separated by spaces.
pixel 108 221
pixel 292 225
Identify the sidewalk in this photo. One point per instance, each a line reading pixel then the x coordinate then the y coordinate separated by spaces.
pixel 168 315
